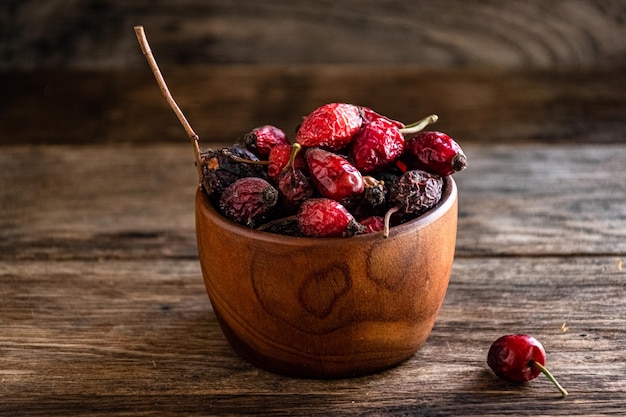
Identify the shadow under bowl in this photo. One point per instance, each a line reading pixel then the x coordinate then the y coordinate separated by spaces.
pixel 327 307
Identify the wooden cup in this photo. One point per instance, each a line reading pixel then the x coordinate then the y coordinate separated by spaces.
pixel 327 307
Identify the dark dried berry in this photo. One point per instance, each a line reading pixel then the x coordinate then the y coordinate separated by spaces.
pixel 413 193
pixel 323 217
pixel 333 176
pixel 294 188
pixel 331 126
pixel 293 185
pixel 219 169
pixel 434 152
pixel 287 226
pixel 374 192
pixel 247 200
pixel 377 145
pixel 416 191
pixel 263 138
pixel 372 200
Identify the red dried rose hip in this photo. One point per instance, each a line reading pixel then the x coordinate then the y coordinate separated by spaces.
pixel 434 152
pixel 370 115
pixel 377 145
pixel 263 138
pixel 279 158
pixel 323 217
pixel 333 176
pixel 373 224
pixel 331 126
pixel 511 357
pixel 519 358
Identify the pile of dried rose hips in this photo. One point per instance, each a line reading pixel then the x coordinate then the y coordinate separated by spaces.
pixel 350 171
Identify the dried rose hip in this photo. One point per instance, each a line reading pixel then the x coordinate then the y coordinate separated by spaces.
pixel 263 138
pixel 333 176
pixel 373 224
pixel 219 169
pixel 293 185
pixel 331 126
pixel 413 193
pixel 283 226
pixel 370 115
pixel 372 201
pixel 519 358
pixel 434 152
pixel 279 158
pixel 377 145
pixel 323 217
pixel 247 200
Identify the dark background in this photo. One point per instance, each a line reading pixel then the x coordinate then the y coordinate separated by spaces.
pixel 96 34
pixel 71 70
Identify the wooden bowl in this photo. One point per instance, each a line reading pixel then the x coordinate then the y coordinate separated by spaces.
pixel 327 307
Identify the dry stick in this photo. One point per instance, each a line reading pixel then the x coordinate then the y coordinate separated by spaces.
pixel 145 48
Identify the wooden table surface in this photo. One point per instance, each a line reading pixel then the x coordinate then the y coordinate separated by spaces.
pixel 103 309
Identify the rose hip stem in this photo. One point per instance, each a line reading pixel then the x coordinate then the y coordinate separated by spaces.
pixel 295 148
pixel 387 219
pixel 419 125
pixel 548 374
pixel 145 48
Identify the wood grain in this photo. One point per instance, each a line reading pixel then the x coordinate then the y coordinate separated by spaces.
pixel 102 306
pixel 224 102
pixel 92 202
pixel 97 34
pixel 133 337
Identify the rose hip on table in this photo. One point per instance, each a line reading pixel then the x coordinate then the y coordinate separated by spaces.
pixel 519 358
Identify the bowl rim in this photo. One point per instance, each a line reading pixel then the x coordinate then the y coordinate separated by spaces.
pixel 448 199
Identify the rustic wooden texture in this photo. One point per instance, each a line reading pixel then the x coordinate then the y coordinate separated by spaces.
pixel 225 102
pixel 97 34
pixel 103 310
pixel 118 202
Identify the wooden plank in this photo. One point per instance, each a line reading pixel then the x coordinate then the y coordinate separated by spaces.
pixel 225 102
pixel 543 200
pixel 137 337
pixel 63 202
pixel 441 33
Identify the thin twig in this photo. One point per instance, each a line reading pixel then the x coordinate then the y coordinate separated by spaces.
pixel 145 48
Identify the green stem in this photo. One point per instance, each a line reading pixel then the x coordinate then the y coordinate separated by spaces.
pixel 547 373
pixel 419 125
pixel 295 148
